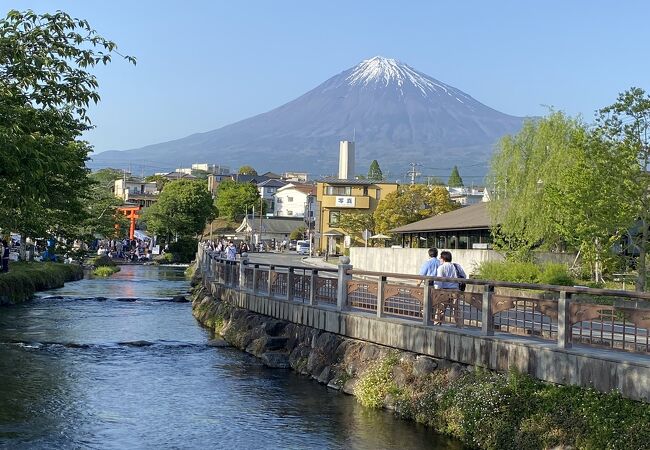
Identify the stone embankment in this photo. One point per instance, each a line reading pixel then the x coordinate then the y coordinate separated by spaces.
pixel 24 279
pixel 483 409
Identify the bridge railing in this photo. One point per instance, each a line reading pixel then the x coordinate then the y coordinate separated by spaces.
pixel 566 315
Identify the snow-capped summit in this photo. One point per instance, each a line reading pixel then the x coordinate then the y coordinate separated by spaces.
pixel 399 115
pixel 382 72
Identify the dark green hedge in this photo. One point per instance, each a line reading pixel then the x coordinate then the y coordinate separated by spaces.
pixel 23 279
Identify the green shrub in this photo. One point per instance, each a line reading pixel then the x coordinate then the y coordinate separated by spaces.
pixel 183 250
pixel 556 273
pixel 525 272
pixel 103 261
pixel 376 382
pixel 105 271
pixel 25 278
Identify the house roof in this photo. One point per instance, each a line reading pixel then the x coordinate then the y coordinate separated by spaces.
pixel 308 189
pixel 470 217
pixel 272 183
pixel 272 175
pixel 179 175
pixel 338 181
pixel 270 225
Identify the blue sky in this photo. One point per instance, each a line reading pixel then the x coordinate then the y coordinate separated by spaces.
pixel 204 64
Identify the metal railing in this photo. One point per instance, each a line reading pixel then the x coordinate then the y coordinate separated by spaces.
pixel 618 320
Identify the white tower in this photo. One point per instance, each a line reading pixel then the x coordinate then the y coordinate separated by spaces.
pixel 346 160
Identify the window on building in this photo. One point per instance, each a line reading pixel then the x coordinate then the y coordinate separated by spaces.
pixel 289 212
pixel 289 199
pixel 334 217
pixel 365 190
pixel 278 200
pixel 463 241
pixel 338 190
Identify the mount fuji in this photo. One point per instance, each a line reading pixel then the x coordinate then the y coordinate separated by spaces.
pixel 396 114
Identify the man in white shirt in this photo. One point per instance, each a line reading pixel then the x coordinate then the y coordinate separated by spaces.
pixel 448 270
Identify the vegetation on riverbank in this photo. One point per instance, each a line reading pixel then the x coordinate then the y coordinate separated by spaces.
pixel 525 272
pixel 23 279
pixel 105 271
pixel 490 410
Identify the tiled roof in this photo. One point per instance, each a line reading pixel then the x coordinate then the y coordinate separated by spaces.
pixel 470 217
pixel 338 181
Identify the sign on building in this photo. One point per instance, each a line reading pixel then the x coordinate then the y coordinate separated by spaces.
pixel 345 202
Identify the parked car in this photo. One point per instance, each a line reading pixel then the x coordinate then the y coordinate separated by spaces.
pixel 292 244
pixel 302 247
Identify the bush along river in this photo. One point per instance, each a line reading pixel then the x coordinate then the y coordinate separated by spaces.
pixel 115 363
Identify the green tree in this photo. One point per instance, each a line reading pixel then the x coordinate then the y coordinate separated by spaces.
pixel 298 233
pixel 454 178
pixel 107 176
pixel 374 172
pixel 233 199
pixel 410 204
pixel 45 90
pixel 558 184
pixel 160 181
pixel 247 170
pixel 182 210
pixel 625 125
pixel 353 224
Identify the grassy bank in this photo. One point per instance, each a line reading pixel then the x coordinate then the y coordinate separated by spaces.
pixel 23 279
pixel 489 410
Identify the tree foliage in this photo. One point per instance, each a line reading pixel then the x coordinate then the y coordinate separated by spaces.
pixel 558 184
pixel 454 178
pixel 353 224
pixel 410 204
pixel 625 127
pixel 234 199
pixel 374 172
pixel 247 170
pixel 182 209
pixel 160 181
pixel 45 90
pixel 298 233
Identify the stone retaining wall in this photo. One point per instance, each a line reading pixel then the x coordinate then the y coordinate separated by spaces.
pixel 329 358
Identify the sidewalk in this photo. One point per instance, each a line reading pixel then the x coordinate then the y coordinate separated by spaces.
pixel 320 262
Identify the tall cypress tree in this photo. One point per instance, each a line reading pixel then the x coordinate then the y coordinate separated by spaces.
pixel 374 172
pixel 454 179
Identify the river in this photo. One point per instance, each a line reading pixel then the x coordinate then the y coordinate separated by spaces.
pixel 111 363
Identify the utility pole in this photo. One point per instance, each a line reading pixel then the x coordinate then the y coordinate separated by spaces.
pixel 261 213
pixel 412 172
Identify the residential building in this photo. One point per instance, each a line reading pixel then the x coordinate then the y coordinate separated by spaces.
pixel 273 229
pixel 176 175
pixel 467 196
pixel 135 190
pixel 213 169
pixel 295 200
pixel 295 177
pixel 267 190
pixel 464 228
pixel 335 196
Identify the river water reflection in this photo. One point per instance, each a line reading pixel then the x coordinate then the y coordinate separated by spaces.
pixel 109 363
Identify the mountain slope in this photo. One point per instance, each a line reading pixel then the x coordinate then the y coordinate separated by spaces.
pixel 397 114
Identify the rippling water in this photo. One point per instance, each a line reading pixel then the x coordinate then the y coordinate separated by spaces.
pixel 111 363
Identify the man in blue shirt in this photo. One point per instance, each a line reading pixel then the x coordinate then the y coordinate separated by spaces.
pixel 430 267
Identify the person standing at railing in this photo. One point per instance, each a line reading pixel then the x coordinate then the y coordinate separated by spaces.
pixel 448 270
pixel 430 267
pixel 231 251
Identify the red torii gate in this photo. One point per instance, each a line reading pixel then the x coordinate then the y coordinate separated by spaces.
pixel 131 212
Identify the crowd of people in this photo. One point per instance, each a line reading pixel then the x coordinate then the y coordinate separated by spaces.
pixel 134 250
pixel 227 248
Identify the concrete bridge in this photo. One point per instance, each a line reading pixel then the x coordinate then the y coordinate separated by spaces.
pixel 567 335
